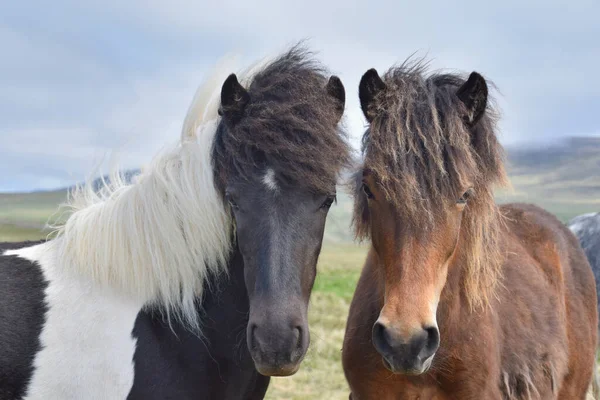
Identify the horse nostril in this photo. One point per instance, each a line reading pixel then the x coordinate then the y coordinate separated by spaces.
pixel 298 331
pixel 252 336
pixel 432 342
pixel 380 338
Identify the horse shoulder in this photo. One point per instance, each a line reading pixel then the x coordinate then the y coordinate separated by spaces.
pixel 548 295
pixel 86 348
pixel 537 242
pixel 22 311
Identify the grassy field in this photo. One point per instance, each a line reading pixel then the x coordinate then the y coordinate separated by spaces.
pixel 31 209
pixel 24 215
pixel 17 233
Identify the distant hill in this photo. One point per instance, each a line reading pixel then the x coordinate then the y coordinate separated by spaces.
pixel 564 178
pixel 127 176
pixel 23 216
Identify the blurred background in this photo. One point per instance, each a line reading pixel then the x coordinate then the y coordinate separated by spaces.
pixel 83 80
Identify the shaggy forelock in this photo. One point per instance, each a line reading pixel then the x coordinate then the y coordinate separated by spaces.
pixel 419 149
pixel 290 126
pixel 423 155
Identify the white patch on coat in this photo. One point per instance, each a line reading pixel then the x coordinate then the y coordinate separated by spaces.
pixel 269 180
pixel 86 343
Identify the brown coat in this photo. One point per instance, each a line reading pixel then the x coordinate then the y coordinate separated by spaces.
pixel 535 340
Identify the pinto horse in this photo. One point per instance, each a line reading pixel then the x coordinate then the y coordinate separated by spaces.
pixel 459 298
pixel 115 306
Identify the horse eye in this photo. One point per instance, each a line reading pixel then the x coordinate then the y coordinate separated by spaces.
pixel 328 202
pixel 465 197
pixel 367 191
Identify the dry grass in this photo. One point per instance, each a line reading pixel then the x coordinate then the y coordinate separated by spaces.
pixel 10 232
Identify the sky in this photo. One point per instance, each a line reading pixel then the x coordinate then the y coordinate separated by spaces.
pixel 81 80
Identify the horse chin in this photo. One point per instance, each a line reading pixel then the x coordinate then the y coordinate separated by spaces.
pixel 411 371
pixel 268 370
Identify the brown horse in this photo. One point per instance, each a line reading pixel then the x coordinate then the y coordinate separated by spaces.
pixel 459 298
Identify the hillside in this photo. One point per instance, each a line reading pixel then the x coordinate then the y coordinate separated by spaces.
pixel 563 178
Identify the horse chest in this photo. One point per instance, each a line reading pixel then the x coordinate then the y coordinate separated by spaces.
pixel 86 347
pixel 393 389
pixel 414 393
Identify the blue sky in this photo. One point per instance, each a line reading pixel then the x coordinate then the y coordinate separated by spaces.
pixel 81 79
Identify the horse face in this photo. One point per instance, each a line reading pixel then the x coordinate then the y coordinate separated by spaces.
pixel 279 233
pixel 414 265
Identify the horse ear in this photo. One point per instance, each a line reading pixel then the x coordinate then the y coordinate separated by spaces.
pixel 234 99
pixel 370 85
pixel 335 89
pixel 474 93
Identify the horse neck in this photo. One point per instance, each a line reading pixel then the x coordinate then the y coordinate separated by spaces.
pixel 453 297
pixel 231 291
pixel 157 239
pixel 454 304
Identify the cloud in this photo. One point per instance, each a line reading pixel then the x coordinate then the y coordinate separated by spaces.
pixel 82 78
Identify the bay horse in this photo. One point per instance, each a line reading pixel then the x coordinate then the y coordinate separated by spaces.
pixel 148 288
pixel 459 298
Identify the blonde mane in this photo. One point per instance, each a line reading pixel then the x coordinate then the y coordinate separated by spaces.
pixel 159 238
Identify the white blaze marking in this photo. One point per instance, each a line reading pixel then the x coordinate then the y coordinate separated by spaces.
pixel 269 179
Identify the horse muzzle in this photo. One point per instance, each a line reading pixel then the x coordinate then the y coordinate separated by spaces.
pixel 277 347
pixel 412 356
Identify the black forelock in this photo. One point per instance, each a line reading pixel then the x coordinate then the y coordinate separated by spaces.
pixel 290 125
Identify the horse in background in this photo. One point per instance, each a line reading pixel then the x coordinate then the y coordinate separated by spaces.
pixel 587 229
pixel 237 206
pixel 459 298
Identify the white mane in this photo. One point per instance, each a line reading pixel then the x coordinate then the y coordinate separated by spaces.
pixel 159 238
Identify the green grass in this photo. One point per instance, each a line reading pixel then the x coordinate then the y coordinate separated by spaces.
pixel 31 209
pixel 338 269
pixel 23 216
pixel 16 233
pixel 338 283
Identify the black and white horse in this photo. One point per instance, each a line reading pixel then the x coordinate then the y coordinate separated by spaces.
pixel 150 288
pixel 587 229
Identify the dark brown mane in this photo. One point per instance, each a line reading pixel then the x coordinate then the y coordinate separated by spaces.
pixel 423 154
pixel 289 125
